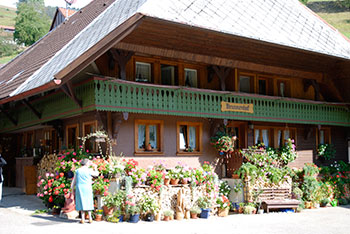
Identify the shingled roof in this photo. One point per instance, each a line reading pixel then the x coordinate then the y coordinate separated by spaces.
pixel 281 22
pixel 17 71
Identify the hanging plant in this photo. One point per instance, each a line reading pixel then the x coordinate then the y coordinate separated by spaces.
pixel 326 151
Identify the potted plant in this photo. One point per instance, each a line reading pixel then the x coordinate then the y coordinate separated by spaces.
pixel 195 211
pixel 324 202
pixel 240 209
pixel 132 209
pixel 224 206
pixel 98 215
pixel 174 175
pixel 249 209
pixel 108 204
pixel 149 207
pixel 204 203
pixel 168 214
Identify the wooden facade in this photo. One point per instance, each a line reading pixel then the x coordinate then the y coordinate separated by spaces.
pixel 163 85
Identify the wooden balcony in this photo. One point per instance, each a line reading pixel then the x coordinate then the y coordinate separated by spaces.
pixel 133 97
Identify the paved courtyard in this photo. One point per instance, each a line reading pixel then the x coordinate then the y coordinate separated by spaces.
pixel 16 215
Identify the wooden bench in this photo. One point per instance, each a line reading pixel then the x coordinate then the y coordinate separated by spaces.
pixel 275 198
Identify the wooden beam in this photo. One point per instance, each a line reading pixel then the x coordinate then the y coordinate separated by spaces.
pixel 122 57
pixel 69 91
pixel 315 85
pixel 222 73
pixel 30 107
pixel 219 61
pixel 8 116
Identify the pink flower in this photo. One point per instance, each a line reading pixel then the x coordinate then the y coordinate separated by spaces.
pixel 87 151
pixel 74 153
pixel 47 174
pixel 45 192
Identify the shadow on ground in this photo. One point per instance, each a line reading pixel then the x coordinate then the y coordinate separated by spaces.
pixel 327 7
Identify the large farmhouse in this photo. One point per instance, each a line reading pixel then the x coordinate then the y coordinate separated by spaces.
pixel 160 77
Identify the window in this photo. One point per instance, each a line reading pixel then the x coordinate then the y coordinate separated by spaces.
pixel 143 72
pixel 90 127
pixel 262 135
pixel 283 134
pixel 262 86
pixel 323 136
pixel 169 75
pixel 148 136
pixel 283 88
pixel 191 78
pixel 50 142
pixel 246 83
pixel 189 135
pixel 72 132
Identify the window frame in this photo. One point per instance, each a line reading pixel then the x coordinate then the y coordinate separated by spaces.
pixel 199 131
pixel 160 149
pixel 76 125
pixel 252 81
pixel 327 137
pixel 258 86
pixel 197 75
pixel 288 88
pixel 260 128
pixel 94 122
pixel 292 134
pixel 150 70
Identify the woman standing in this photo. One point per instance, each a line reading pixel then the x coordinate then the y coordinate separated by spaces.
pixel 2 163
pixel 84 199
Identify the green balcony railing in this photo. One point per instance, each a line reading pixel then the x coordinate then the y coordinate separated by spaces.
pixel 133 97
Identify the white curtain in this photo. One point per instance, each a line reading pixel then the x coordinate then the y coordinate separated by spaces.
pixel 279 137
pixel 256 136
pixel 286 134
pixel 142 136
pixel 182 138
pixel 153 136
pixel 265 136
pixel 321 137
pixel 192 135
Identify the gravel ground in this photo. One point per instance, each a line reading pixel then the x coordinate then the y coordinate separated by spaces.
pixel 16 215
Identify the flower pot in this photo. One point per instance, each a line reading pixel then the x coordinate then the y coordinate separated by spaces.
pixel 166 181
pixel 205 213
pixel 134 218
pixel 149 217
pixel 121 218
pixel 308 205
pixel 166 218
pixel 56 211
pixel 69 174
pixel 194 216
pixel 240 210
pixel 223 212
pixel 174 181
pixel 184 181
pixel 108 210
pixel 98 217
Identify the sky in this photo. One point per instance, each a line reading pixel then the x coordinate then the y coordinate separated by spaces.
pixel 60 3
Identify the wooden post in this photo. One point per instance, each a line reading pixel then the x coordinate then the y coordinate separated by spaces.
pixel 222 73
pixel 122 57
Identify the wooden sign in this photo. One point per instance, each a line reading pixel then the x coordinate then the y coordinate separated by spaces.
pixel 237 107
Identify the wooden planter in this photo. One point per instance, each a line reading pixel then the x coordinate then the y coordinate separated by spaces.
pixel 223 212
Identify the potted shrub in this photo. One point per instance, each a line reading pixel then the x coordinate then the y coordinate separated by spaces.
pixel 195 211
pixel 249 209
pixel 149 207
pixel 174 175
pixel 98 215
pixel 224 206
pixel 108 204
pixel 324 202
pixel 133 210
pixel 240 209
pixel 168 214
pixel 204 203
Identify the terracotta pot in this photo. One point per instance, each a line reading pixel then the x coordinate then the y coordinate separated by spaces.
pixel 194 216
pixel 98 217
pixel 166 218
pixel 234 176
pixel 240 210
pixel 184 181
pixel 308 205
pixel 174 181
pixel 166 181
pixel 223 212
pixel 107 210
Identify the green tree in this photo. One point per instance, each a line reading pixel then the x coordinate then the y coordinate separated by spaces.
pixel 303 1
pixel 31 22
pixel 345 3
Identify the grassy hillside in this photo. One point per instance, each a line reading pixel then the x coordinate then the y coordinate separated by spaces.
pixel 332 12
pixel 7 16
